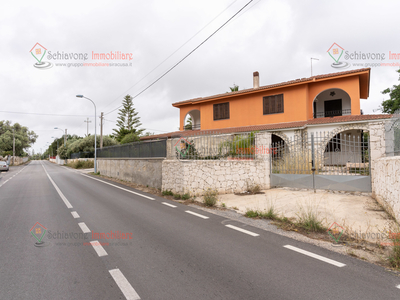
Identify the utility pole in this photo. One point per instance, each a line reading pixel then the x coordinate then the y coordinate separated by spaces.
pixel 65 138
pixel 13 146
pixel 101 130
pixel 87 121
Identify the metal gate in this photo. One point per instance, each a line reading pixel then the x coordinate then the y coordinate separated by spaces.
pixel 322 161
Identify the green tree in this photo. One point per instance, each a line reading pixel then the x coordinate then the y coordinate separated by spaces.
pixel 84 145
pixel 24 138
pixel 391 105
pixel 128 121
pixel 130 138
pixel 189 124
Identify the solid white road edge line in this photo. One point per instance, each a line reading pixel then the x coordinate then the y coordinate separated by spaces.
pixel 316 256
pixel 13 176
pixel 124 285
pixel 167 204
pixel 98 248
pixel 75 214
pixel 58 190
pixel 196 214
pixel 118 187
pixel 84 228
pixel 242 230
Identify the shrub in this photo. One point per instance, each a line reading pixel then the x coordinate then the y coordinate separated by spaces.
pixel 210 197
pixel 177 196
pixel 81 164
pixel 167 193
pixel 186 196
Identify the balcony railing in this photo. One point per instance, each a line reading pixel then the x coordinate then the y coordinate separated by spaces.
pixel 332 113
pixel 192 127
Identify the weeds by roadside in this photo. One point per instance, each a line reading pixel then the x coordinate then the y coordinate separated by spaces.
pixel 309 218
pixel 81 164
pixel 252 188
pixel 394 237
pixel 167 193
pixel 210 197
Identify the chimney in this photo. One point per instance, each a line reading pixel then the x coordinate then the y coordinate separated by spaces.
pixel 256 80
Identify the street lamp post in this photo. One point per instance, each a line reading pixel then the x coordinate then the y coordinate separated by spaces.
pixel 95 126
pixel 65 134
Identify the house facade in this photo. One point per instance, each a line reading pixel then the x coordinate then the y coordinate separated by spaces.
pixel 304 99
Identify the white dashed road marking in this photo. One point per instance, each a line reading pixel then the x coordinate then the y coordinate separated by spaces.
pixel 316 256
pixel 242 230
pixel 84 228
pixel 98 248
pixel 75 214
pixel 118 187
pixel 167 204
pixel 196 214
pixel 398 286
pixel 124 285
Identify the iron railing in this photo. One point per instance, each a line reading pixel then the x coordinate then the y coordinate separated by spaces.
pixel 210 145
pixel 332 113
pixel 135 150
pixel 192 127
pixel 322 153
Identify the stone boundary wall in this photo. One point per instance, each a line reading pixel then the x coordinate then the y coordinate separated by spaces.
pixel 145 172
pixel 226 176
pixel 386 184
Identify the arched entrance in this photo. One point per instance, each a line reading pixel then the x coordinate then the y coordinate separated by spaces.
pixel 192 120
pixel 332 102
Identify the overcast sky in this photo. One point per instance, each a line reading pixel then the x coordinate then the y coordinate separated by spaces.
pixel 276 38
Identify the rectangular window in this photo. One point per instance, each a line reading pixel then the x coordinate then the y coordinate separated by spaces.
pixel 221 111
pixel 273 104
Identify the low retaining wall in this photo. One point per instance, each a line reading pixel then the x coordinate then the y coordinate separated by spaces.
pixel 196 176
pixel 145 172
pixel 386 184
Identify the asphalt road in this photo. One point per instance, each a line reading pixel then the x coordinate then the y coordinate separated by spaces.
pixel 151 248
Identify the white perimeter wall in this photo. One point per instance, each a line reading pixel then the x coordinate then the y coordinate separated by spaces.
pixel 386 184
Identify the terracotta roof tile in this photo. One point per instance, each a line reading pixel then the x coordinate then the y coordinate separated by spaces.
pixel 277 126
pixel 266 87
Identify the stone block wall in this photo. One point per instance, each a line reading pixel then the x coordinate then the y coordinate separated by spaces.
pixel 145 172
pixel 386 184
pixel 226 176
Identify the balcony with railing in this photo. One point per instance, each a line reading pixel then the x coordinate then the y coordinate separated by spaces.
pixel 192 127
pixel 332 113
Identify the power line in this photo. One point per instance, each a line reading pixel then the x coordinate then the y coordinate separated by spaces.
pixel 173 67
pixel 41 114
pixel 171 54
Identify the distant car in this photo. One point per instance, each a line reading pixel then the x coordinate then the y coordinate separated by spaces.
pixel 3 166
